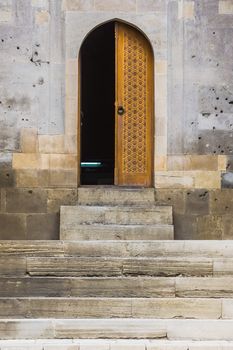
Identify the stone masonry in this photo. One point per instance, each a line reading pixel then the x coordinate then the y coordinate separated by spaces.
pixel 39 47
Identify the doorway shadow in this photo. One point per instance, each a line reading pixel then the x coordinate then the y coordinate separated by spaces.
pixel 97 62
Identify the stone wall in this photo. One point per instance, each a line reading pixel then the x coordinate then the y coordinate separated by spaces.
pixel 193 49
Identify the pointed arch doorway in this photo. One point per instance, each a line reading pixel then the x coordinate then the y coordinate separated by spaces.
pixel 116 107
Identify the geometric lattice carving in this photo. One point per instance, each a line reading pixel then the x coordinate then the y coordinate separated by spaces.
pixel 135 103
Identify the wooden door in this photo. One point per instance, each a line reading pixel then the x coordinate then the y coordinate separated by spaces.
pixel 134 108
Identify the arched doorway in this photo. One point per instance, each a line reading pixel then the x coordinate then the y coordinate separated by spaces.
pixel 116 107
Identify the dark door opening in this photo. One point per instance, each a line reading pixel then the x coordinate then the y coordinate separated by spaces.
pixel 97 62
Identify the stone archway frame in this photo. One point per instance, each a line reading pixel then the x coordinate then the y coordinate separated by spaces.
pixel 78 26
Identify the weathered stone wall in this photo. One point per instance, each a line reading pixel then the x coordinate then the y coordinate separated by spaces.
pixel 193 49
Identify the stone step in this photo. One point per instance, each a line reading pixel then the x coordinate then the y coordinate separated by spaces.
pixel 208 249
pixel 138 287
pixel 89 266
pixel 115 195
pixel 189 308
pixel 88 287
pixel 118 232
pixel 114 266
pixel 108 344
pixel 122 215
pixel 200 330
pixel 185 249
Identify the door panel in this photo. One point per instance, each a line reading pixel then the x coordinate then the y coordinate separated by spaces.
pixel 134 108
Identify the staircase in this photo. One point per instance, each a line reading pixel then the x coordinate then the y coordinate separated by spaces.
pixel 116 281
pixel 114 213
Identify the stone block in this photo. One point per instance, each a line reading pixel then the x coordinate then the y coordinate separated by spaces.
pixel 175 180
pixel 168 267
pixel 204 287
pixel 161 145
pixel 161 108
pixel 222 163
pixel 71 86
pixel 72 107
pixel 194 162
pixel 120 215
pixel 221 202
pixel 71 144
pixel 32 178
pixel 176 198
pixel 161 67
pixel 229 166
pixel 21 345
pixel 72 66
pixel 26 201
pixel 78 5
pixel 61 347
pixel 71 123
pixel 51 144
pixel 118 232
pixel 160 163
pixel 12 226
pixel 199 330
pixel 227 226
pixel 29 140
pixel 56 198
pixel 201 162
pixel 13 266
pixel 26 329
pixel 6 15
pixel 227 308
pixel 30 161
pixel 34 287
pixel 223 267
pixel 31 248
pixel 42 17
pixel 111 196
pixel 7 177
pixel 63 161
pixel 161 127
pixel 95 346
pixel 116 5
pixel 225 7
pixel 208 179
pixel 63 178
pixel 227 180
pixel 127 346
pixel 197 202
pixel 177 308
pixel 209 227
pixel 133 287
pixel 186 9
pixel 175 163
pixel 69 308
pixel 74 267
pixel 151 5
pixel 42 226
pixel 109 328
pixel 39 3
pixel 161 85
pixel 185 226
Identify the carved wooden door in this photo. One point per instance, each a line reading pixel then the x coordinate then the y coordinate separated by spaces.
pixel 134 108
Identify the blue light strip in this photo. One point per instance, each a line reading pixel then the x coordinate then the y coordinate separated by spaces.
pixel 91 164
